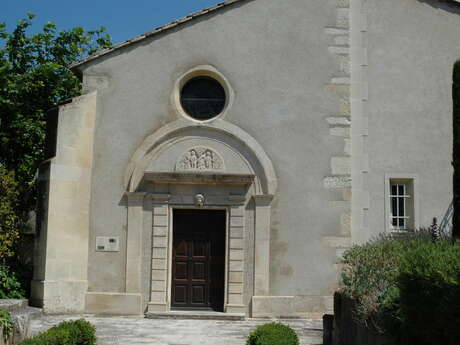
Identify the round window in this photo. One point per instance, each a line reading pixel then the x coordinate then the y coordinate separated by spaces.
pixel 203 98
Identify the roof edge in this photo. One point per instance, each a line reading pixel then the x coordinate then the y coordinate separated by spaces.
pixel 154 32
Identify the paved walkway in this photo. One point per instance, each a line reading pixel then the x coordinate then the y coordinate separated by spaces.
pixel 121 330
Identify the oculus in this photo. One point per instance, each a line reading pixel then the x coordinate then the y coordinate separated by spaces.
pixel 203 98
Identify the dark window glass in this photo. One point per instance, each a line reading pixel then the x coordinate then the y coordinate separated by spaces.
pixel 401 207
pixel 203 98
pixel 394 206
pixel 393 190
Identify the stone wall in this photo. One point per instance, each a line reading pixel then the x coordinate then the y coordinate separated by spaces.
pixel 344 330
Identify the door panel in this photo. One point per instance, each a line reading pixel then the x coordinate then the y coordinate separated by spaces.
pixel 198 259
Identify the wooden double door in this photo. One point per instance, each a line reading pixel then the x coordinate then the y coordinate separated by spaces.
pixel 198 260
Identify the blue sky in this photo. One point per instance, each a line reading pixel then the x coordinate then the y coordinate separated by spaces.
pixel 123 19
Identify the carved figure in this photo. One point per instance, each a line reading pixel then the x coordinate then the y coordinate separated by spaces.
pixel 192 159
pixel 200 159
pixel 199 200
pixel 209 160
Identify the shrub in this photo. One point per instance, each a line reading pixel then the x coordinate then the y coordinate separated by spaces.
pixel 429 293
pixel 78 332
pixel 273 334
pixel 10 287
pixel 6 324
pixel 369 277
pixel 407 287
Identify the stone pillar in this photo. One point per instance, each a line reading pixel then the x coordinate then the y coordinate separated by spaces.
pixel 159 296
pixel 60 279
pixel 262 245
pixel 134 242
pixel 234 303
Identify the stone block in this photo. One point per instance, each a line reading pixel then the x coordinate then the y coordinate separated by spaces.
pixel 235 277
pixel 273 306
pixel 337 242
pixel 235 288
pixel 236 232
pixel 235 298
pixel 159 264
pixel 160 242
pixel 158 274
pixel 158 297
pixel 331 182
pixel 340 132
pixel 160 211
pixel 160 220
pixel 341 165
pixel 236 243
pixel 236 254
pixel 236 221
pixel 158 285
pixel 236 266
pixel 160 230
pixel 113 303
pixel 159 253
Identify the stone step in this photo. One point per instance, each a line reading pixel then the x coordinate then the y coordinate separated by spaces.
pixel 196 315
pixel 11 305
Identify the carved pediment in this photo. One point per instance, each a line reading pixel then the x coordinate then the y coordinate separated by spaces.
pixel 200 158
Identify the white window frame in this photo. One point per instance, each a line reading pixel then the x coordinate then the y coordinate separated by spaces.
pixel 411 216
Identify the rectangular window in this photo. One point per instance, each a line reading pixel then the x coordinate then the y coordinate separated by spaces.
pixel 400 201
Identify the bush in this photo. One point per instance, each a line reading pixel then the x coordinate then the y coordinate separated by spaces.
pixel 273 334
pixel 369 277
pixel 6 324
pixel 10 287
pixel 407 287
pixel 429 293
pixel 78 332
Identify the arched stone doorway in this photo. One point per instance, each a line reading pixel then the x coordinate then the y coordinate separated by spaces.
pixel 188 166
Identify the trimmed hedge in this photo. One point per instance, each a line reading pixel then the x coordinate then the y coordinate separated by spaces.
pixel 429 294
pixel 273 334
pixel 78 332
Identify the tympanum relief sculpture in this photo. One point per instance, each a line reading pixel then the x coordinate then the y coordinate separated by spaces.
pixel 200 158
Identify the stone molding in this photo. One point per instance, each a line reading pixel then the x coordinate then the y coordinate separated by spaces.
pixel 339 182
pixel 198 71
pixel 359 131
pixel 156 142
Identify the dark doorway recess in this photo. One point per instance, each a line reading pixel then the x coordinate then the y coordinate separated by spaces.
pixel 198 260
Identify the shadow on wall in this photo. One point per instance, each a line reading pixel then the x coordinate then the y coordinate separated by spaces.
pixel 452 6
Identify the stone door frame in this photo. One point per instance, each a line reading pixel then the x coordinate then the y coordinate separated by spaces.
pixel 162 246
pixel 263 184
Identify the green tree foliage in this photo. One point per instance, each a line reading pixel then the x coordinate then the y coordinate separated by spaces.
pixel 9 220
pixel 34 77
pixel 456 149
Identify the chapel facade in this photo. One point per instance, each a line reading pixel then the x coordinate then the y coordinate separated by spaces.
pixel 225 161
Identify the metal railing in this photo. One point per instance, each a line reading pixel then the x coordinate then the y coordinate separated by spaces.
pixel 445 227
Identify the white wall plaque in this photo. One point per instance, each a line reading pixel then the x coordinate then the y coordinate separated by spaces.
pixel 107 244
